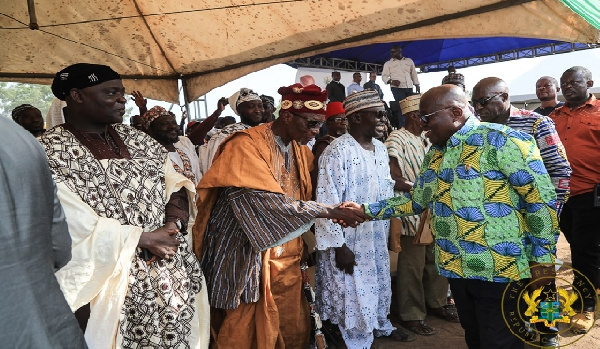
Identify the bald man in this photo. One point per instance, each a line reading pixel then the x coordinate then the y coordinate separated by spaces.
pixel 492 103
pixel 473 221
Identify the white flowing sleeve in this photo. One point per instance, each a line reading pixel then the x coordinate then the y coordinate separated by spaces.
pixel 331 187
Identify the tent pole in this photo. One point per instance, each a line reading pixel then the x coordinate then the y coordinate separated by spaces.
pixel 33 25
pixel 185 98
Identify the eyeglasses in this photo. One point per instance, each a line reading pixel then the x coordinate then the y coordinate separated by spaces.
pixel 484 100
pixel 339 119
pixel 425 117
pixel 313 124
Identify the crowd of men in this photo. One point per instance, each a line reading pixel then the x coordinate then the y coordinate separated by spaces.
pixel 154 239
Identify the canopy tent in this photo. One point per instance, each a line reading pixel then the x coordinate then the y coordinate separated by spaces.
pixel 154 43
pixel 440 54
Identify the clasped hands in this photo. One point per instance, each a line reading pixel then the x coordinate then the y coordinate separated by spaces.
pixel 161 242
pixel 346 214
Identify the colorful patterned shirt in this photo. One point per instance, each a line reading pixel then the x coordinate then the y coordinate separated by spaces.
pixel 491 200
pixel 551 148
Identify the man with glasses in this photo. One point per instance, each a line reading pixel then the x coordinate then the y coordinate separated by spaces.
pixel 476 179
pixel 353 268
pixel 492 103
pixel 253 208
pixel 578 125
pixel 418 285
pixel 546 90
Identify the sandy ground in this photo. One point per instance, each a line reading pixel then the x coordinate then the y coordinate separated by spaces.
pixel 451 335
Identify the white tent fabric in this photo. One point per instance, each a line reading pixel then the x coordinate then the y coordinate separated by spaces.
pixel 153 43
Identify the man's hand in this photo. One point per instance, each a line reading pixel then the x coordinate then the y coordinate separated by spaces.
pixel 160 242
pixel 541 275
pixel 345 259
pixel 395 83
pixel 418 87
pixel 222 103
pixel 139 99
pixel 347 215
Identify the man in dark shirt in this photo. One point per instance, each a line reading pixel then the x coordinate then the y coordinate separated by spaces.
pixel 336 92
pixel 546 89
pixel 373 85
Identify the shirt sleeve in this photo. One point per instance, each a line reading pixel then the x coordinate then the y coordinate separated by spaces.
pixel 521 162
pixel 270 219
pixel 385 74
pixel 331 184
pixel 554 157
pixel 413 73
pixel 412 203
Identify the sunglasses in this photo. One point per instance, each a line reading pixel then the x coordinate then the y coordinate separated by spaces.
pixel 312 124
pixel 380 114
pixel 425 117
pixel 483 101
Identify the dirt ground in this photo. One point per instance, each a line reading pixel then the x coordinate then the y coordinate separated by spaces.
pixel 451 335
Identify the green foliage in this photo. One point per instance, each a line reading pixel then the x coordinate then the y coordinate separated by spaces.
pixel 40 96
pixel 14 94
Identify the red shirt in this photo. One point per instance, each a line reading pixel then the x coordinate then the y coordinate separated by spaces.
pixel 579 131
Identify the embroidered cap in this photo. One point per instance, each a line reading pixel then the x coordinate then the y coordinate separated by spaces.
pixel 241 96
pixel 81 75
pixel 153 114
pixel 18 110
pixel 303 99
pixel 362 100
pixel 410 103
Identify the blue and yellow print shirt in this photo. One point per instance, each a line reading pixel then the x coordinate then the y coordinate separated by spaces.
pixel 491 200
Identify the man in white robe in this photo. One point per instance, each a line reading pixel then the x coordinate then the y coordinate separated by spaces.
pixel 353 270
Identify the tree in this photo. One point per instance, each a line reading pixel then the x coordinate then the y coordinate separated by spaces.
pixel 14 94
pixel 40 96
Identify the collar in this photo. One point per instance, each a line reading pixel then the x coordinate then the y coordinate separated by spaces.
pixel 590 101
pixel 460 135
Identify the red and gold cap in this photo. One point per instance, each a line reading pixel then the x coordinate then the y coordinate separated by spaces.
pixel 303 99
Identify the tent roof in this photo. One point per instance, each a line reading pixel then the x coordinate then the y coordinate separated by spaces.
pixel 439 54
pixel 153 43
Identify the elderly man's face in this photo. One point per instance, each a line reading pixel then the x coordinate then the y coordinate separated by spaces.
pixel 437 122
pixel 490 103
pixel 303 127
pixel 104 103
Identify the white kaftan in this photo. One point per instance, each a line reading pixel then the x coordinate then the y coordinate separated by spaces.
pixel 358 303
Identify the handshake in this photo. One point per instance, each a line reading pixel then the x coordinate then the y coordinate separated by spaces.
pixel 348 214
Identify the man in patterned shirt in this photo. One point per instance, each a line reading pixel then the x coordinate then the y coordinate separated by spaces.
pixel 131 268
pixel 418 285
pixel 492 103
pixel 493 212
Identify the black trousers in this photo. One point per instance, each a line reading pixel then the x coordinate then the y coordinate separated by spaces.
pixel 580 222
pixel 400 94
pixel 479 304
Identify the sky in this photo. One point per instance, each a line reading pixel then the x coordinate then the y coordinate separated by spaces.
pixel 520 75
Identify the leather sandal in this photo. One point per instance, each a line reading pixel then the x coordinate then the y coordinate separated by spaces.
pixel 418 327
pixel 447 313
